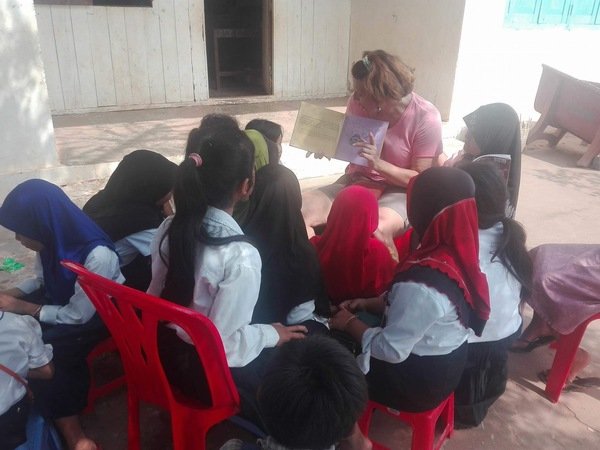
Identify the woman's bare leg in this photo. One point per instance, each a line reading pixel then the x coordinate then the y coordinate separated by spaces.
pixel 71 430
pixel 391 224
pixel 315 209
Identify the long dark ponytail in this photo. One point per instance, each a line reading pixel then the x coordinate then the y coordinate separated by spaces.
pixel 491 196
pixel 225 160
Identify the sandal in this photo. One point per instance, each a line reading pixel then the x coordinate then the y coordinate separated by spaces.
pixel 531 345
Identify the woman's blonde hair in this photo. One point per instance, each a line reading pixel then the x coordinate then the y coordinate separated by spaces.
pixel 383 75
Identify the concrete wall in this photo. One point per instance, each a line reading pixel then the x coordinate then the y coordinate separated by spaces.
pixel 424 33
pixel 26 130
pixel 496 63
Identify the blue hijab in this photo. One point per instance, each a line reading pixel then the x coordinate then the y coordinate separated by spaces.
pixel 41 211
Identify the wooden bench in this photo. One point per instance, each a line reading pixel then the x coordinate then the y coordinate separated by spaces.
pixel 568 104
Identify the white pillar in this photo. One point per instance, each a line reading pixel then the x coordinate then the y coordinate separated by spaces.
pixel 26 130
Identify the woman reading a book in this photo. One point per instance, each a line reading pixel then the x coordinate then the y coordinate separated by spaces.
pixel 383 90
pixel 491 130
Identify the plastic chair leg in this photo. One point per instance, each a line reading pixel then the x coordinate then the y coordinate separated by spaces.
pixel 423 437
pixel 189 431
pixel 133 422
pixel 566 348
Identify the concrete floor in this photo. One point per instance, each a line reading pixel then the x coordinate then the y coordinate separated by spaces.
pixel 558 203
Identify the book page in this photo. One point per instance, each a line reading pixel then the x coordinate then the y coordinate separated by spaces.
pixel 356 129
pixel 317 129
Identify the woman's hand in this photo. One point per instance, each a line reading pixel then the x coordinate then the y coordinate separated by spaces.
pixel 288 333
pixel 317 155
pixel 354 305
pixel 341 319
pixel 11 304
pixel 369 152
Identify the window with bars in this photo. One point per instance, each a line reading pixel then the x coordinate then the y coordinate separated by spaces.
pixel 540 13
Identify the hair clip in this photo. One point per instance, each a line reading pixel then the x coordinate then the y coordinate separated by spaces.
pixel 196 158
pixel 366 62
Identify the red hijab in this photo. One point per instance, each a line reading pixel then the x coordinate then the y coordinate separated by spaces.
pixel 353 262
pixel 441 208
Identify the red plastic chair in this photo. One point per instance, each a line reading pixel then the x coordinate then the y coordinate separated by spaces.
pixel 566 347
pixel 100 390
pixel 132 318
pixel 423 424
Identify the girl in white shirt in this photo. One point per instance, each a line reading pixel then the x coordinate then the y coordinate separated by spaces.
pixel 201 259
pixel 414 360
pixel 23 352
pixel 505 261
pixel 47 222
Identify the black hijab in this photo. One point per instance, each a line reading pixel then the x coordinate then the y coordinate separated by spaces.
pixel 128 203
pixel 290 267
pixel 497 130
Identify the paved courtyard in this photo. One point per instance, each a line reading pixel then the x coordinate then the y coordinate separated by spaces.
pixel 558 203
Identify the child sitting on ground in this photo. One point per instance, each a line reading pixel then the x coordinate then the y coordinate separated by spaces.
pixel 311 396
pixel 23 354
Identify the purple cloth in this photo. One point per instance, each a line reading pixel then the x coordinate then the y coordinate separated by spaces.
pixel 566 284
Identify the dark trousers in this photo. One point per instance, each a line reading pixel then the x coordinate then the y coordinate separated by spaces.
pixel 13 424
pixel 185 372
pixel 65 394
pixel 418 383
pixel 483 380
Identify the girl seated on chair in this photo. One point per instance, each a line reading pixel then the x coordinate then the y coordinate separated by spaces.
pixel 504 260
pixel 46 221
pixel 415 359
pixel 23 353
pixel 201 259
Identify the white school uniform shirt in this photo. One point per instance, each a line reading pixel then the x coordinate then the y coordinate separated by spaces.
pixel 226 288
pixel 135 244
pixel 505 290
pixel 419 320
pixel 21 349
pixel 102 261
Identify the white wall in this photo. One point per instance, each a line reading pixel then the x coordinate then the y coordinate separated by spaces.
pixel 498 64
pixel 310 47
pixel 425 34
pixel 110 56
pixel 26 131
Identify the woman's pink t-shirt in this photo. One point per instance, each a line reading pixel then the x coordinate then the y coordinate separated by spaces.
pixel 417 134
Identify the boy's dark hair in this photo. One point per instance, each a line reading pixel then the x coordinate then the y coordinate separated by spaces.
pixel 209 126
pixel 219 120
pixel 312 393
pixel 491 196
pixel 268 129
pixel 227 160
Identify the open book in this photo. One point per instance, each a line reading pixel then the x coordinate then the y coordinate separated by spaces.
pixel 332 133
pixel 501 161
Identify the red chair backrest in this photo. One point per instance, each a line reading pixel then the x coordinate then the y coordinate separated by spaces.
pixel 132 318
